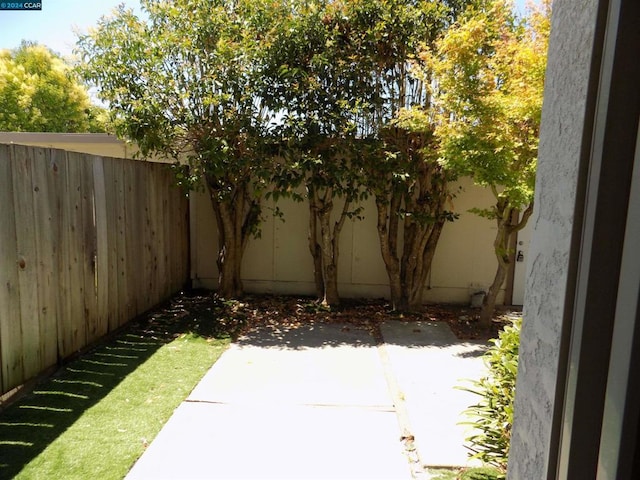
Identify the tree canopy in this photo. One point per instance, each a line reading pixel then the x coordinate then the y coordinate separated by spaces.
pixel 340 77
pixel 317 82
pixel 40 92
pixel 488 76
pixel 411 188
pixel 220 83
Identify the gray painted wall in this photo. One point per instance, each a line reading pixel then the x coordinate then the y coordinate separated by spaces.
pixel 570 47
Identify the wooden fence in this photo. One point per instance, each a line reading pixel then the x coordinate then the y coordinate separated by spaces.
pixel 86 244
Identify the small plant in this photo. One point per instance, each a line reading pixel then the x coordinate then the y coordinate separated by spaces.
pixel 316 307
pixel 480 473
pixel 492 417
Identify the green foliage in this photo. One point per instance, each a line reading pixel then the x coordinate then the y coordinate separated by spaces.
pixel 40 92
pixel 480 473
pixel 338 78
pixel 487 82
pixel 493 415
pixel 325 100
pixel 314 79
pixel 489 74
pixel 443 473
pixel 400 153
pixel 182 82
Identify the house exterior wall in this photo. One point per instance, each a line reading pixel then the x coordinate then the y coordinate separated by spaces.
pixel 568 68
pixel 279 261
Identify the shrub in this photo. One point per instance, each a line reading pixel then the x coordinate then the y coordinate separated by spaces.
pixel 492 416
pixel 481 473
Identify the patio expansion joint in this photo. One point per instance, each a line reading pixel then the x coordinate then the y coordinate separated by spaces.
pixel 406 434
pixel 379 408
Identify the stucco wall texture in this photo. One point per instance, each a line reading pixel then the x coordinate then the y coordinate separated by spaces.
pixel 570 50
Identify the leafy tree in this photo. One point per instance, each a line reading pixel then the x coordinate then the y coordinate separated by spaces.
pixel 184 83
pixel 319 80
pixel 341 79
pixel 489 75
pixel 39 92
pixel 411 188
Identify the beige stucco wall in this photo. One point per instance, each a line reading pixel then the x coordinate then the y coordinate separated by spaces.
pixel 93 143
pixel 280 262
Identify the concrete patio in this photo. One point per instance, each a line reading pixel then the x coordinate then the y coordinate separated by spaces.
pixel 323 401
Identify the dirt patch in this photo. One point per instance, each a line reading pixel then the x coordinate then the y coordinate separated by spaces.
pixel 235 316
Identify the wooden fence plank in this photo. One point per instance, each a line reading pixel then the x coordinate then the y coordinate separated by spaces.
pixel 183 233
pixel 28 260
pixel 157 280
pixel 124 306
pixel 141 221
pixel 177 248
pixel 64 327
pixel 147 180
pixel 133 237
pixel 112 267
pixel 161 247
pixel 46 235
pixel 171 236
pixel 78 333
pixel 172 242
pixel 148 247
pixel 10 335
pixel 102 248
pixel 164 270
pixel 89 246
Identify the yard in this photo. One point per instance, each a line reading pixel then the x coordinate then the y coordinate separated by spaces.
pixel 94 417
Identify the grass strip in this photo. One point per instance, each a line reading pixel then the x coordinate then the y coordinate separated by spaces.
pixel 95 417
pixel 467 473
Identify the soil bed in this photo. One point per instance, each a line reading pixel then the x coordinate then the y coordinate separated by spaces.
pixel 280 310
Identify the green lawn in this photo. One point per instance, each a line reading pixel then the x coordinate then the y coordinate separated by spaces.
pixel 474 473
pixel 94 417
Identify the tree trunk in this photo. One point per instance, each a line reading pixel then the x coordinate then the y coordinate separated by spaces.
pixel 325 252
pixel 416 267
pixel 425 202
pixel 501 247
pixel 314 246
pixel 330 242
pixel 388 237
pixel 237 216
pixel 489 301
pixel 229 282
pixel 329 258
pixel 229 255
pixel 411 187
pixel 407 275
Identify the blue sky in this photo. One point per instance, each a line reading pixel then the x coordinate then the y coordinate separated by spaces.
pixel 55 24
